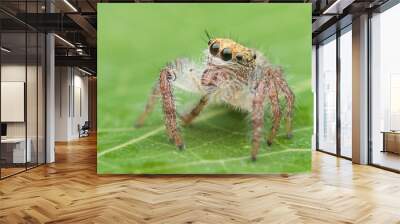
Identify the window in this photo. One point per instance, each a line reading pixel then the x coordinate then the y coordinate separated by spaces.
pixel 327 95
pixel 22 78
pixel 346 95
pixel 385 89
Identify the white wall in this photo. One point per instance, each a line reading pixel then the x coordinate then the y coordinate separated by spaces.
pixel 71 94
pixel 33 127
pixel 62 82
pixel 10 73
pixel 16 72
pixel 80 110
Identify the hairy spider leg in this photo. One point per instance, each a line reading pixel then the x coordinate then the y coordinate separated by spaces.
pixel 166 77
pixel 272 93
pixel 290 98
pixel 189 117
pixel 257 117
pixel 155 94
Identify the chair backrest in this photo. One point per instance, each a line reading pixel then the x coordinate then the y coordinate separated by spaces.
pixel 86 125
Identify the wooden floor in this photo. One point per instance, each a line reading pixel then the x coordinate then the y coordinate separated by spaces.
pixel 5 172
pixel 70 191
pixel 387 159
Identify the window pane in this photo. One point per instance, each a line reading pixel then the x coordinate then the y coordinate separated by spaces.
pixel 31 97
pixel 346 94
pixel 327 96
pixel 385 86
pixel 15 151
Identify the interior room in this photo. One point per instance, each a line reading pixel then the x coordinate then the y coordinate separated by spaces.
pixel 51 130
pixel 25 66
pixel 71 103
pixel 22 101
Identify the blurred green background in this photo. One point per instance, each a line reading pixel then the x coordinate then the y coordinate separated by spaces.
pixel 136 40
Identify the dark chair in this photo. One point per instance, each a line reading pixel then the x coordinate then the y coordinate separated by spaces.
pixel 84 129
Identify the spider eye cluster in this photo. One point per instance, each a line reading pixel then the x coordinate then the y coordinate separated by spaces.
pixel 226 53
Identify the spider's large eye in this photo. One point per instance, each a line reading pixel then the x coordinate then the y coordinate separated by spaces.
pixel 239 57
pixel 226 54
pixel 214 48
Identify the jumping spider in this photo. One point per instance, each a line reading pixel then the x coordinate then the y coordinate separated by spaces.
pixel 232 74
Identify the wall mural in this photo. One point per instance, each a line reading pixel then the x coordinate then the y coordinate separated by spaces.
pixel 204 88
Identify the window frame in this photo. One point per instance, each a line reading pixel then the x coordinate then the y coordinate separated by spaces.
pixel 339 32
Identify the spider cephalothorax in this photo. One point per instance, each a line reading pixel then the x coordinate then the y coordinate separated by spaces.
pixel 227 61
pixel 229 50
pixel 232 74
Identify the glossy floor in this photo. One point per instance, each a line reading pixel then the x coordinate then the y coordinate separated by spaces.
pixel 387 159
pixel 5 172
pixel 70 191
